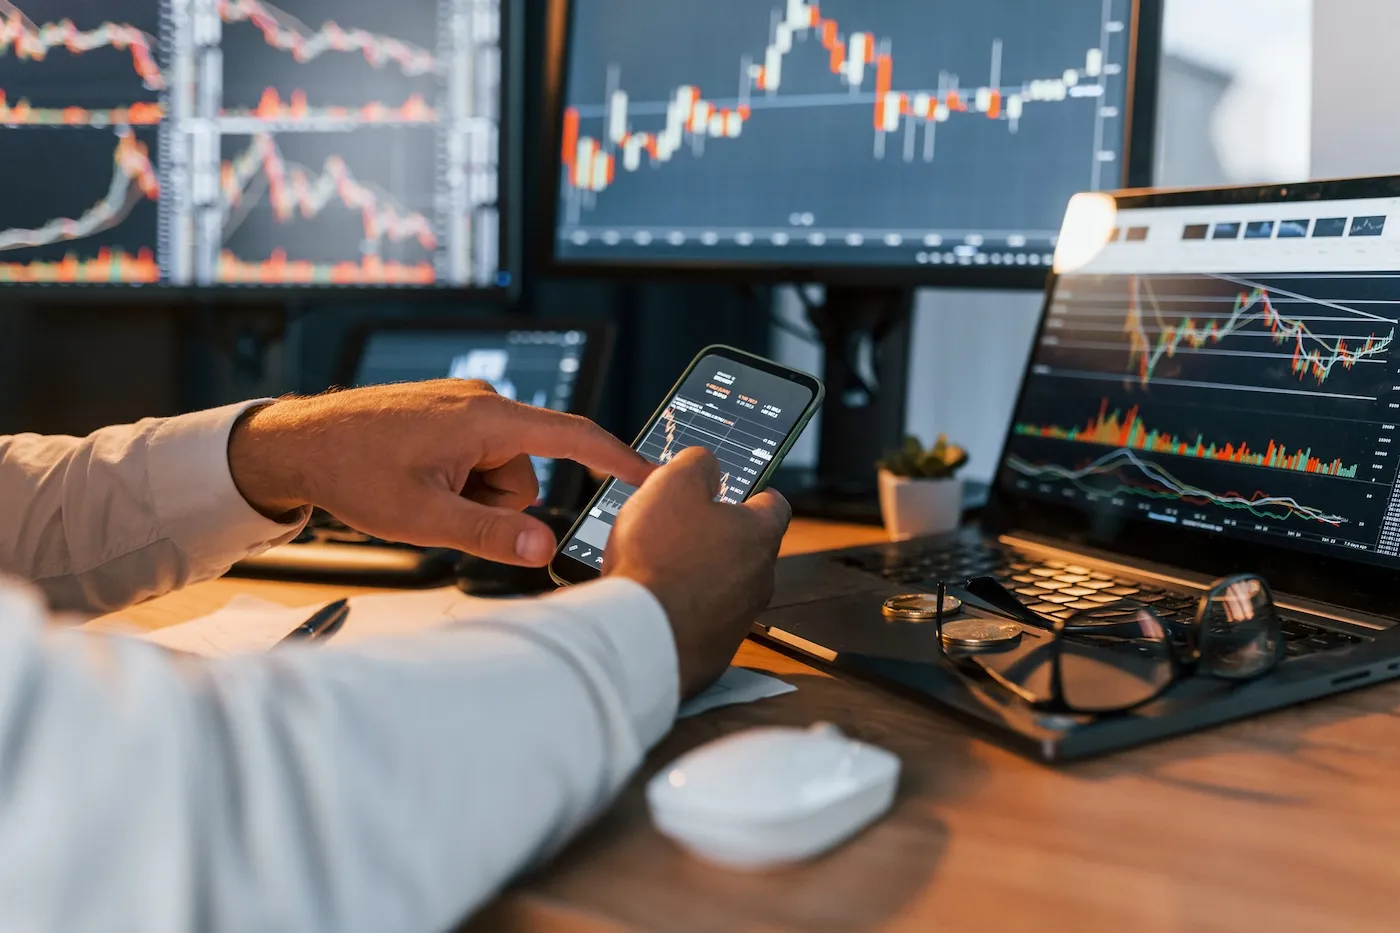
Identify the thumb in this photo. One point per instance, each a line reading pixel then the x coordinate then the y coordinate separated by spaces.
pixel 501 535
pixel 772 510
pixel 693 471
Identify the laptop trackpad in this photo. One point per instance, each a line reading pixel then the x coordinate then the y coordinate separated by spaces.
pixel 807 578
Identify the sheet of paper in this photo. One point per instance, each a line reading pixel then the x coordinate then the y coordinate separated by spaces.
pixel 406 613
pixel 737 685
pixel 244 624
pixel 247 623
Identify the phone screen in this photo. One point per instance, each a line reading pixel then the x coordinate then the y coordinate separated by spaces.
pixel 741 414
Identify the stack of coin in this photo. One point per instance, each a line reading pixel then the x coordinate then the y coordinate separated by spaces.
pixel 919 607
pixel 980 634
pixel 968 634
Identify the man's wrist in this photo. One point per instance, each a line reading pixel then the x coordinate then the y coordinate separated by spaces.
pixel 674 608
pixel 264 467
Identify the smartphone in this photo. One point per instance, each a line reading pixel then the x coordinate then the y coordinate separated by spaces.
pixel 746 410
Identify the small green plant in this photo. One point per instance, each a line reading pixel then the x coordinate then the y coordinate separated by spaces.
pixel 941 461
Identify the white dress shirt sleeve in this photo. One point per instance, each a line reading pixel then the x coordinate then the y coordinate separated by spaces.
pixel 381 786
pixel 128 512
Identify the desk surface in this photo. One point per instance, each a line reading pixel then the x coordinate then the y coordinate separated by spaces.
pixel 1287 822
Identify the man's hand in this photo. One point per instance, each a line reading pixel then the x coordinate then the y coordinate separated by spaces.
pixel 710 564
pixel 443 463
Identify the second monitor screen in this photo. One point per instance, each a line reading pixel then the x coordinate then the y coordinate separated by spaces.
pixel 783 132
pixel 305 143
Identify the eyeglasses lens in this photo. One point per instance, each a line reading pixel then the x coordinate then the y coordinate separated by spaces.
pixel 1114 657
pixel 1240 636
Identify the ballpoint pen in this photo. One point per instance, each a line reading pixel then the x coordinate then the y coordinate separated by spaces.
pixel 323 623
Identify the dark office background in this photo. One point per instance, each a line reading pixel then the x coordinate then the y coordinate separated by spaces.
pixel 72 365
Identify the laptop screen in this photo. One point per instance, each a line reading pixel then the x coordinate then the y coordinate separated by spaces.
pixel 537 367
pixel 1225 370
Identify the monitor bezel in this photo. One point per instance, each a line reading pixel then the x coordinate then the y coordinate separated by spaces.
pixel 1321 577
pixel 568 479
pixel 1143 71
pixel 509 203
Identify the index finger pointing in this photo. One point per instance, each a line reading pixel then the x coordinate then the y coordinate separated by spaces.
pixel 553 434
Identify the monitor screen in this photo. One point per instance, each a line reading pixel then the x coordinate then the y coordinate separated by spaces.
pixel 537 367
pixel 786 133
pixel 1224 371
pixel 204 143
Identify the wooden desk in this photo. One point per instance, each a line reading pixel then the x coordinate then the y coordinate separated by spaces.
pixel 1287 822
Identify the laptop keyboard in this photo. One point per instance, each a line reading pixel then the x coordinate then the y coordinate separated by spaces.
pixel 1055 588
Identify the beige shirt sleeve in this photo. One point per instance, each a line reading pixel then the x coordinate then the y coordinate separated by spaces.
pixel 128 512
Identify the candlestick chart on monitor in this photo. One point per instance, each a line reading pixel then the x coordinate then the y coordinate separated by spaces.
pixel 98 227
pixel 1216 400
pixel 80 95
pixel 865 126
pixel 80 64
pixel 246 142
pixel 340 209
pixel 305 61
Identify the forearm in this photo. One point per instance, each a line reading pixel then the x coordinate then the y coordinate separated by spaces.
pixel 126 513
pixel 394 786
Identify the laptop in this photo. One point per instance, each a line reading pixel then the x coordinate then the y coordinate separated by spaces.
pixel 1212 390
pixel 546 363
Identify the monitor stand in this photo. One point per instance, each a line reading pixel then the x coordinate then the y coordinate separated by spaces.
pixel 866 335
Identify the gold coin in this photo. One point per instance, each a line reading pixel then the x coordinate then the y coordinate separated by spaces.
pixel 919 607
pixel 980 633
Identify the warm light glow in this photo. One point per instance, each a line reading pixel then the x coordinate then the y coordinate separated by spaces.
pixel 1087 229
pixel 677 778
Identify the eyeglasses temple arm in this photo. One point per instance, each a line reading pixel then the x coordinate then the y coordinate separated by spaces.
pixel 994 594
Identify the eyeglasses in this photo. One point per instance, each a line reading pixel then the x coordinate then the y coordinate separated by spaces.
pixel 1122 655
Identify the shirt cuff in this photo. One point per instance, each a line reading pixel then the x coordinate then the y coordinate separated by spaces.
pixel 639 636
pixel 196 502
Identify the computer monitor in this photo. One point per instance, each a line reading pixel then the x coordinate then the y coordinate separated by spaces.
pixel 240 143
pixel 870 147
pixel 549 364
pixel 917 141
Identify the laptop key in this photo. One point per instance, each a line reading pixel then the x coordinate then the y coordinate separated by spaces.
pixel 1055 564
pixel 1083 604
pixel 1045 608
pixel 1122 590
pixel 1031 592
pixel 1050 584
pixel 1059 598
pixel 1100 575
pixel 1102 598
pixel 1077 591
pixel 1072 577
pixel 1097 584
pixel 1075 568
pixel 1026 578
pixel 1044 572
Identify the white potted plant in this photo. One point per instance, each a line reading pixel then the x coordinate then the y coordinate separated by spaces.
pixel 920 493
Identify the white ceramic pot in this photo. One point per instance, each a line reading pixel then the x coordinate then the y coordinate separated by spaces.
pixel 917 506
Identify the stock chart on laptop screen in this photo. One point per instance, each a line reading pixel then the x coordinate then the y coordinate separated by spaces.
pixel 1230 370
